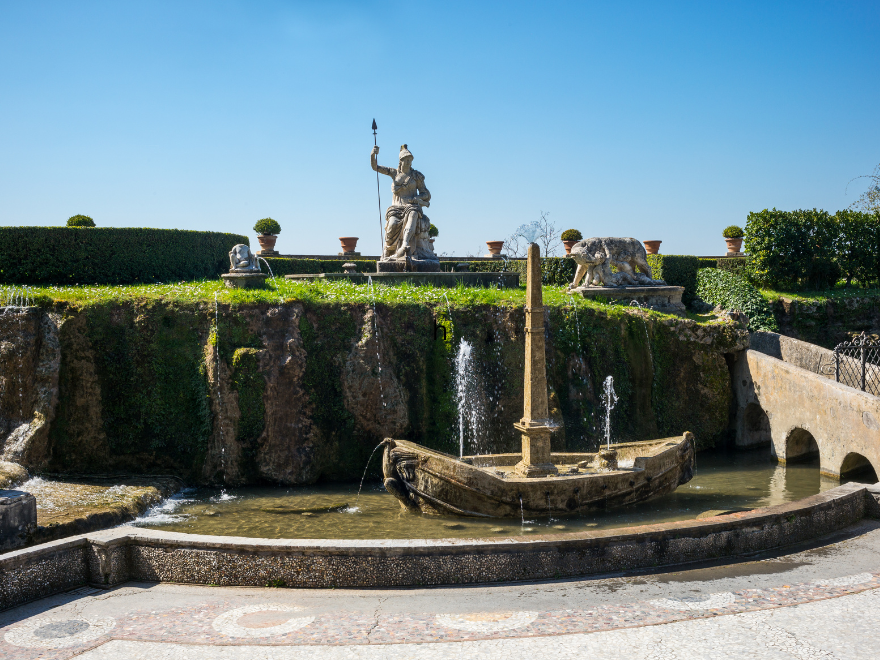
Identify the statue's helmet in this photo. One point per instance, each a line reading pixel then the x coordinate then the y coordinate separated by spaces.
pixel 404 152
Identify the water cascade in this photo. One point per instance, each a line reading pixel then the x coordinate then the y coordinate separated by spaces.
pixel 217 384
pixel 610 400
pixel 636 303
pixel 15 298
pixel 376 334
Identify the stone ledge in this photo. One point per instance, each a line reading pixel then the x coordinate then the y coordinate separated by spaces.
pixel 505 280
pixel 115 556
pixel 661 298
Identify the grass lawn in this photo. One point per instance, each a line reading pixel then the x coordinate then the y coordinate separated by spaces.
pixel 281 290
pixel 837 292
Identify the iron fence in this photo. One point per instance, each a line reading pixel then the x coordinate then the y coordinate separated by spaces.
pixel 857 364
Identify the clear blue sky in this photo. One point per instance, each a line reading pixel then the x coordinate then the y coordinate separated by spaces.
pixel 654 120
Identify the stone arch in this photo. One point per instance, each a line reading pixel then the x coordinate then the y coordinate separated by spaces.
pixel 756 426
pixel 800 445
pixel 858 468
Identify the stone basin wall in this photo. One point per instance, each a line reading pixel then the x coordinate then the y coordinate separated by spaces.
pixel 296 392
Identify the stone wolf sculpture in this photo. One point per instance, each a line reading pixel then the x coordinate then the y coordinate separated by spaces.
pixel 595 256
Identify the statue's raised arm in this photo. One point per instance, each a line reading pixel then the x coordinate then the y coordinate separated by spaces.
pixel 374 163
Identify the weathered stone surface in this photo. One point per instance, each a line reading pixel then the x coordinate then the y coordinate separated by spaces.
pixel 827 322
pixel 666 299
pixel 794 351
pixel 29 362
pixel 18 518
pixel 595 256
pixel 801 413
pixel 374 395
pixel 11 475
pixel 140 390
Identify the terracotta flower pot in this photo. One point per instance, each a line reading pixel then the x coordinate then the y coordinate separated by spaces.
pixel 568 245
pixel 349 243
pixel 652 247
pixel 495 246
pixel 734 244
pixel 267 242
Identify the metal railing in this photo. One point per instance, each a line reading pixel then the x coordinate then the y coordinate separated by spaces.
pixel 857 364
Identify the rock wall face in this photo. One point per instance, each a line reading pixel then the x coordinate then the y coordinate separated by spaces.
pixel 296 392
pixel 827 322
pixel 29 362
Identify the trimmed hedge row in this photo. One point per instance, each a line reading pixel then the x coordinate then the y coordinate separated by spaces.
pixel 281 266
pixel 111 255
pixel 731 292
pixel 558 271
pixel 677 270
pixel 811 248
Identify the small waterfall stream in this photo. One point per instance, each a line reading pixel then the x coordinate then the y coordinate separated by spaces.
pixel 609 398
pixel 217 384
pixel 376 334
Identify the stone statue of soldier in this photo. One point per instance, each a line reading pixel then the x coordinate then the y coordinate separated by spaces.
pixel 406 225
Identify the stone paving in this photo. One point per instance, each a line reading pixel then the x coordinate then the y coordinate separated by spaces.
pixel 819 603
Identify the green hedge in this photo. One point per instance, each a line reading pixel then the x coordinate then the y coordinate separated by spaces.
pixel 812 249
pixel 111 255
pixel 281 266
pixel 856 246
pixel 728 291
pixel 557 271
pixel 708 263
pixel 677 270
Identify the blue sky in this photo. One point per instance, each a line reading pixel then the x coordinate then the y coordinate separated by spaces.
pixel 654 120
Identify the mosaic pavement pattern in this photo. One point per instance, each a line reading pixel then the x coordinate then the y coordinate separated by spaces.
pixel 833 618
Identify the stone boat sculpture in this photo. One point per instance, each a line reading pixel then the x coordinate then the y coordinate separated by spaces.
pixel 535 481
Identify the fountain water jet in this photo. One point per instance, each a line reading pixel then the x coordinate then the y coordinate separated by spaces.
pixel 470 413
pixel 609 398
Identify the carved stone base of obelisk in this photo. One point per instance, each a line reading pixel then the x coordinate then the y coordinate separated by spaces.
pixel 535 450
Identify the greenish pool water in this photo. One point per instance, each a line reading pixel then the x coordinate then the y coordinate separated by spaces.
pixel 724 481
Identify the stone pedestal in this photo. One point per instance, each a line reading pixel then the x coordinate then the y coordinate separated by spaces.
pixel 244 280
pixel 18 518
pixel 535 450
pixel 349 254
pixel 407 265
pixel 268 253
pixel 660 298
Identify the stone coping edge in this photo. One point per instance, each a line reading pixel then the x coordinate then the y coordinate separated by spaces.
pixel 115 556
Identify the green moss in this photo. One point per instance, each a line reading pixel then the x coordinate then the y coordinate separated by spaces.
pixel 327 333
pixel 250 385
pixel 154 392
pixel 153 395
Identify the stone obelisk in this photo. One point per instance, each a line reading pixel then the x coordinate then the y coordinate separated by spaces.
pixel 535 424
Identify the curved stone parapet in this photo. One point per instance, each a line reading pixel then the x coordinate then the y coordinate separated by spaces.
pixel 129 553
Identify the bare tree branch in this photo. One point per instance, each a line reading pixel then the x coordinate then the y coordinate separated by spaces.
pixel 869 202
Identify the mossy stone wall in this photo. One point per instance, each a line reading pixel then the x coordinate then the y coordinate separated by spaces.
pixel 310 389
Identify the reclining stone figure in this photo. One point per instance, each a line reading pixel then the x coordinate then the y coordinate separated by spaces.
pixel 595 256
